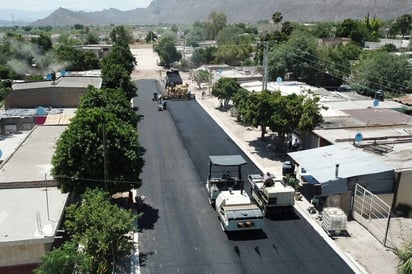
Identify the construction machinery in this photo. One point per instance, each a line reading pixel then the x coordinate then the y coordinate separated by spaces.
pixel 174 85
pixel 224 174
pixel 237 212
pixel 272 198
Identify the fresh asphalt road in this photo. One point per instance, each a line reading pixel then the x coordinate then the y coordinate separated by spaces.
pixel 180 232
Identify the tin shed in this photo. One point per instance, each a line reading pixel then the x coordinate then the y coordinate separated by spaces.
pixel 337 168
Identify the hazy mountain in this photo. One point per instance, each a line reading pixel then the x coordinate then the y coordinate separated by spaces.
pixel 189 11
pixel 21 17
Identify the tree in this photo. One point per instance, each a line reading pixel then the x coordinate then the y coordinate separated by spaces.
pixel 91 38
pixel 204 56
pixel 218 20
pixel 259 109
pixel 201 76
pixel 381 70
pixel 282 114
pixel 43 42
pixel 353 29
pixel 75 59
pixel 224 89
pixel 297 57
pixel 277 17
pixel 151 37
pixel 166 49
pixel 121 34
pixel 116 69
pixel 232 54
pixel 102 229
pixel 404 24
pixel 323 30
pixel 66 259
pixel 83 159
pixel 334 65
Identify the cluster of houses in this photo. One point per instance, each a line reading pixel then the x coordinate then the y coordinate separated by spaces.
pixel 362 142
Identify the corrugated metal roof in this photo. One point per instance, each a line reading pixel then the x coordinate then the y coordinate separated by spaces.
pixel 321 162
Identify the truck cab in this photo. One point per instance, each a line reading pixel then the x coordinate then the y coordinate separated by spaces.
pixel 224 174
pixel 237 212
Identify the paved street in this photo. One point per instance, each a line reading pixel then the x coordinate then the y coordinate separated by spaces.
pixel 180 231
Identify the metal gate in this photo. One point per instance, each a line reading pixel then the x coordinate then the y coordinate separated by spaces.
pixel 372 213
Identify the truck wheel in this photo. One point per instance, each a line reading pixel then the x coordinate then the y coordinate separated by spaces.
pixel 212 203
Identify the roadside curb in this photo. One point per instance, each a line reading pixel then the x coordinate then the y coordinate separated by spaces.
pixel 299 206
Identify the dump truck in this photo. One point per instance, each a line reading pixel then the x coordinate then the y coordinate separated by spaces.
pixel 272 198
pixel 224 173
pixel 175 87
pixel 237 212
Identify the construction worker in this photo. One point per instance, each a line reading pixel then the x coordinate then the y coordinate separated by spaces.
pixel 268 180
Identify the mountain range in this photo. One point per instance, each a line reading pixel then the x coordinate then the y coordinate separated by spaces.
pixel 246 11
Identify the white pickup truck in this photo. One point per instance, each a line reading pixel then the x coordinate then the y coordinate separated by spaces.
pixel 237 212
pixel 274 198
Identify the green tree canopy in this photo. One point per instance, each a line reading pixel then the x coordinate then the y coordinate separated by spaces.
pixel 404 23
pixel 381 70
pixel 218 20
pixel 43 42
pixel 75 59
pixel 356 30
pixel 117 67
pixel 102 228
pixel 201 76
pixel 121 34
pixel 166 49
pixel 151 37
pixel 203 56
pixel 282 114
pixel 296 57
pixel 79 159
pixel 224 89
pixel 66 259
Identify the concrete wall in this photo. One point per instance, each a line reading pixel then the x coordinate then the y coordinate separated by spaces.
pixel 51 96
pixel 24 253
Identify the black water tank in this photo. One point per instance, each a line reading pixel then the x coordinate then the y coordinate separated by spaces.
pixel 379 95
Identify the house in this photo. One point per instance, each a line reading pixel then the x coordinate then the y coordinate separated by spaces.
pixel 64 92
pixel 100 50
pixel 330 173
pixel 32 206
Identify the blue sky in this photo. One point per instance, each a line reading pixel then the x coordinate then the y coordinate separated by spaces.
pixel 75 5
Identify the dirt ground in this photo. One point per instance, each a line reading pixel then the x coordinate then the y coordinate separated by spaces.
pixel 359 247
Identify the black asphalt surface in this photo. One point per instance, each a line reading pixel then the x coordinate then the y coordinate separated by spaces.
pixel 180 232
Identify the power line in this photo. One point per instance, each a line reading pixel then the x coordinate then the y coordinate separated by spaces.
pixel 95 180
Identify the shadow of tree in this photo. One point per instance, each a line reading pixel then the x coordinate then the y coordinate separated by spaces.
pixel 149 217
pixel 143 257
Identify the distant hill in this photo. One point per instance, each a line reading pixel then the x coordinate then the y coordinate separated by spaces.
pixel 190 11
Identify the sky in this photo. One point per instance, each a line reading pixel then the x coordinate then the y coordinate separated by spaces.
pixel 74 5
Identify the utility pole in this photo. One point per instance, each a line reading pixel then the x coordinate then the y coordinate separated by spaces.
pixel 265 66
